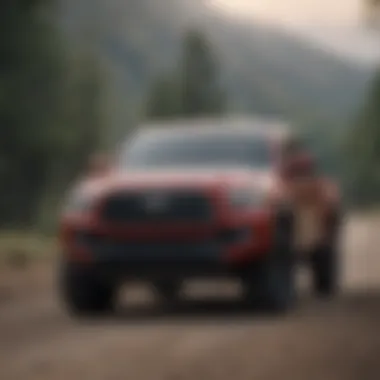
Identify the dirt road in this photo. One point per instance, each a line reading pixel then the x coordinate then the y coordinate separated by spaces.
pixel 319 341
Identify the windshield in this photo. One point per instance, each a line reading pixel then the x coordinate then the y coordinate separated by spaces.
pixel 189 149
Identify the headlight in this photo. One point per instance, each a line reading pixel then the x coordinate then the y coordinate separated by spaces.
pixel 242 198
pixel 79 202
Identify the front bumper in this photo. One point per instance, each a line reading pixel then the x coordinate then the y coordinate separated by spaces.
pixel 229 244
pixel 134 252
pixel 165 256
pixel 156 260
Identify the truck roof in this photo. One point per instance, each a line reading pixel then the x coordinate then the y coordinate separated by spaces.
pixel 247 125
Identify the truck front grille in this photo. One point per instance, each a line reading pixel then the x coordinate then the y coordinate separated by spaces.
pixel 156 206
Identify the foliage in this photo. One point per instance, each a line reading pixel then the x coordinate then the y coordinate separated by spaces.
pixel 49 111
pixel 194 87
pixel 363 150
pixel 164 99
pixel 30 78
pixel 200 90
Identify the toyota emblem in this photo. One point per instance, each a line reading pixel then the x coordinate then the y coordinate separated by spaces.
pixel 155 202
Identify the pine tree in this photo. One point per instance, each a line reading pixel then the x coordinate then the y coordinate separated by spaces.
pixel 363 149
pixel 193 89
pixel 50 111
pixel 164 100
pixel 199 78
pixel 31 76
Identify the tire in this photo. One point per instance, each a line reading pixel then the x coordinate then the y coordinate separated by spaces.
pixel 83 294
pixel 271 283
pixel 325 264
pixel 325 272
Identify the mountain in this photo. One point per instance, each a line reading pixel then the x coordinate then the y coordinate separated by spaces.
pixel 265 70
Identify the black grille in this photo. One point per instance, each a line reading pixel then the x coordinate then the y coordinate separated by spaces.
pixel 156 206
pixel 110 248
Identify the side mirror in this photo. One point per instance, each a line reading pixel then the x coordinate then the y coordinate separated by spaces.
pixel 98 164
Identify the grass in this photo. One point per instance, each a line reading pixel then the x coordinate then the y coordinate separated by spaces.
pixel 19 249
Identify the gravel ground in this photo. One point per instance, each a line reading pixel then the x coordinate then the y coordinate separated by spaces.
pixel 336 340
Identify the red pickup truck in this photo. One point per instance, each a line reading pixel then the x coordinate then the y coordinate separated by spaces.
pixel 194 199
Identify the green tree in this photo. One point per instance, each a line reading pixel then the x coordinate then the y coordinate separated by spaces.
pixel 82 134
pixel 363 150
pixel 193 89
pixel 164 100
pixel 51 114
pixel 201 93
pixel 31 76
pixel 362 147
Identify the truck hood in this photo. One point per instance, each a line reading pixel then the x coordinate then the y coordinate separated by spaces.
pixel 199 178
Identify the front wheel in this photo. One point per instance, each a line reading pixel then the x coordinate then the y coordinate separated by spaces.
pixel 83 294
pixel 325 271
pixel 271 283
pixel 325 262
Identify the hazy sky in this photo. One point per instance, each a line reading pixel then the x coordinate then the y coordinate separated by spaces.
pixel 295 12
pixel 334 24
